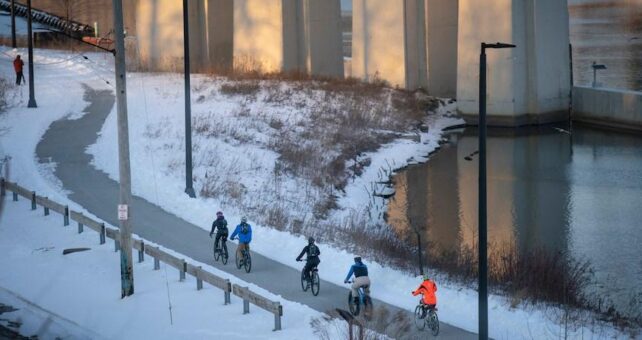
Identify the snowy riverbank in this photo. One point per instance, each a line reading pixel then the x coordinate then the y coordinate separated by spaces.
pixel 156 105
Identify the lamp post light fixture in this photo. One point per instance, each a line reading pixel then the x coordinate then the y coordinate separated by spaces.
pixel 483 237
pixel 595 66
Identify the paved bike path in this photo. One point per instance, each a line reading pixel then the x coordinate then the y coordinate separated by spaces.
pixel 65 143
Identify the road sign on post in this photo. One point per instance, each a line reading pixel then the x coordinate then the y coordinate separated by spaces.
pixel 122 212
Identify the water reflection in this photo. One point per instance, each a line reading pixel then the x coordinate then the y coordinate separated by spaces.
pixel 579 196
pixel 609 32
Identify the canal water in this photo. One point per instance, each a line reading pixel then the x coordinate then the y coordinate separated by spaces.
pixel 579 194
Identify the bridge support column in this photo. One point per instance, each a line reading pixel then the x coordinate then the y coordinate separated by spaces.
pixel 288 35
pixel 389 40
pixel 529 84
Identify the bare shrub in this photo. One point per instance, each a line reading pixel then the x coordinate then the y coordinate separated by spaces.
pixel 240 88
pixel 383 324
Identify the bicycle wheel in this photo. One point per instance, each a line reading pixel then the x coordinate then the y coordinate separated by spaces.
pixel 224 255
pixel 315 283
pixel 217 254
pixel 367 307
pixel 238 260
pixel 304 282
pixel 420 318
pixel 434 322
pixel 354 307
pixel 248 262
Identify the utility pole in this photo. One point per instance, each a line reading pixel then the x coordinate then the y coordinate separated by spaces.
pixel 13 24
pixel 189 189
pixel 32 95
pixel 124 216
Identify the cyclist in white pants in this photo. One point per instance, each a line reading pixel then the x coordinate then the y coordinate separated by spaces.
pixel 361 278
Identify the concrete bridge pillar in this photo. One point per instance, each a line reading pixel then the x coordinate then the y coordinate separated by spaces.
pixel 220 33
pixel 388 41
pixel 442 26
pixel 159 34
pixel 526 85
pixel 289 35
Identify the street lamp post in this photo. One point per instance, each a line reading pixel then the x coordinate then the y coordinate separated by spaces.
pixel 13 24
pixel 189 189
pixel 483 236
pixel 32 95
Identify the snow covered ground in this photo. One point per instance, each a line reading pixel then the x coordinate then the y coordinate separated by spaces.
pixel 156 100
pixel 80 292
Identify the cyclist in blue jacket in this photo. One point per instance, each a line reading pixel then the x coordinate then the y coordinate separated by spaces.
pixel 361 278
pixel 244 232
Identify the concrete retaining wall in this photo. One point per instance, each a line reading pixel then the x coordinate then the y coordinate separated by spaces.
pixel 608 107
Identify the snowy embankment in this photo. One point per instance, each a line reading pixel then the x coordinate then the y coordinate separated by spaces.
pixel 80 292
pixel 78 295
pixel 156 109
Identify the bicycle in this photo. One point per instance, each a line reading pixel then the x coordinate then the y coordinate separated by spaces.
pixel 426 315
pixel 312 281
pixel 221 253
pixel 364 299
pixel 244 261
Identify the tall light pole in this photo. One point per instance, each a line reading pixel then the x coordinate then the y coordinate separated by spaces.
pixel 483 236
pixel 32 95
pixel 189 189
pixel 13 24
pixel 126 268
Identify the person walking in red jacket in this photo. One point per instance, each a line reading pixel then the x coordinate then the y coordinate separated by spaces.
pixel 17 66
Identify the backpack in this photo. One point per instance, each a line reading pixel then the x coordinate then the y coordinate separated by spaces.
pixel 313 250
pixel 245 228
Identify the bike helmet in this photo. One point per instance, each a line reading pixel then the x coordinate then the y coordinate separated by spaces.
pixel 243 219
pixel 219 213
pixel 311 240
pixel 357 259
pixel 426 277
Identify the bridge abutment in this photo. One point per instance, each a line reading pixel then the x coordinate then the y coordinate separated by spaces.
pixel 529 84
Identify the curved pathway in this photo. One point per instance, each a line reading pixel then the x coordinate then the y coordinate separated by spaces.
pixel 65 142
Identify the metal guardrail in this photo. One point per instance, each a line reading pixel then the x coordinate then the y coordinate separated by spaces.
pixel 249 296
pixel 156 253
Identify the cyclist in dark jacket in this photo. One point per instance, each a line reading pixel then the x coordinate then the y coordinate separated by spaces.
pixel 312 260
pixel 220 226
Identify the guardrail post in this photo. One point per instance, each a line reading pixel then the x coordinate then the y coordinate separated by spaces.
pixel 15 196
pixel 102 233
pixel 80 226
pixel 226 293
pixel 33 201
pixel 46 209
pixel 156 264
pixel 65 217
pixel 3 190
pixel 277 317
pixel 116 245
pixel 141 252
pixel 183 270
pixel 246 302
pixel 199 282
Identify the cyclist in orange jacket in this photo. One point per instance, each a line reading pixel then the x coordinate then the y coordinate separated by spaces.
pixel 427 289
